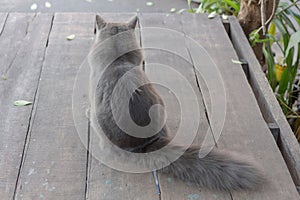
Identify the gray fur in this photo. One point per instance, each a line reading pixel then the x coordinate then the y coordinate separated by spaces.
pixel 218 170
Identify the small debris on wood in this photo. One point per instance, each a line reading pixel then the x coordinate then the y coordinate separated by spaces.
pixel 149 3
pixel 33 6
pixel 172 10
pixel 22 103
pixel 70 37
pixel 47 4
pixel 236 61
pixel 181 11
pixel 212 15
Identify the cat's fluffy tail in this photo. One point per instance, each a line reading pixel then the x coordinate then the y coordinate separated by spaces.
pixel 218 170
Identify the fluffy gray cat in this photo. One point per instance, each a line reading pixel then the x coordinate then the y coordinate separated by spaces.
pixel 120 56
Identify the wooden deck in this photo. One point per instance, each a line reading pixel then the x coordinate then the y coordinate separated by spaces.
pixel 41 155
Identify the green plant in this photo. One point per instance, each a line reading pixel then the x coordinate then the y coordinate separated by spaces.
pixel 288 43
pixel 285 35
pixel 228 7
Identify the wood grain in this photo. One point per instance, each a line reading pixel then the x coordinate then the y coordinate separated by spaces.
pixel 164 43
pixel 23 43
pixel 267 102
pixel 55 162
pixel 244 130
pixel 41 154
pixel 109 184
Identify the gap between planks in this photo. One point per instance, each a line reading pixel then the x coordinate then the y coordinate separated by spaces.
pixel 4 23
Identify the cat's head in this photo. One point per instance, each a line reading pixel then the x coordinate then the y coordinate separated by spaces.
pixel 105 30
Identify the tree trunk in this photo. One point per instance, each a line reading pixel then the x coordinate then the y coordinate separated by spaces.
pixel 250 19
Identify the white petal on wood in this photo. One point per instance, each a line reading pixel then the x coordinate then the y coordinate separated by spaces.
pixel 70 37
pixel 33 6
pixel 149 3
pixel 48 4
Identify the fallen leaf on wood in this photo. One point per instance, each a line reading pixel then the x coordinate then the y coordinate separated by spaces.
pixel 212 15
pixel 70 37
pixel 181 11
pixel 22 103
pixel 236 62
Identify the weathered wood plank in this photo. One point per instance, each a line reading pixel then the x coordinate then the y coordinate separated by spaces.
pixel 244 125
pixel 106 183
pixel 23 43
pixel 267 102
pixel 55 160
pixel 164 36
pixel 14 32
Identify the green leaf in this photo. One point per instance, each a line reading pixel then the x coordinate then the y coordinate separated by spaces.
pixel 284 82
pixel 191 9
pixel 282 5
pixel 289 9
pixel 211 5
pixel 271 65
pixel 22 103
pixel 189 3
pixel 201 6
pixel 199 9
pixel 271 38
pixel 283 31
pixel 294 15
pixel 254 37
pixel 279 24
pixel 294 40
pixel 288 21
pixel 272 29
pixel 233 4
pixel 4 77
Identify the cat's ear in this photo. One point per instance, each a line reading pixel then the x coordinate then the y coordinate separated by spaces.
pixel 132 22
pixel 100 23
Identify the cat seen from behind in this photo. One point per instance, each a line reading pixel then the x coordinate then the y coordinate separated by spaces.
pixel 121 56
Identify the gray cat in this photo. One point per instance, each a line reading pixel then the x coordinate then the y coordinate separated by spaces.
pixel 218 170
